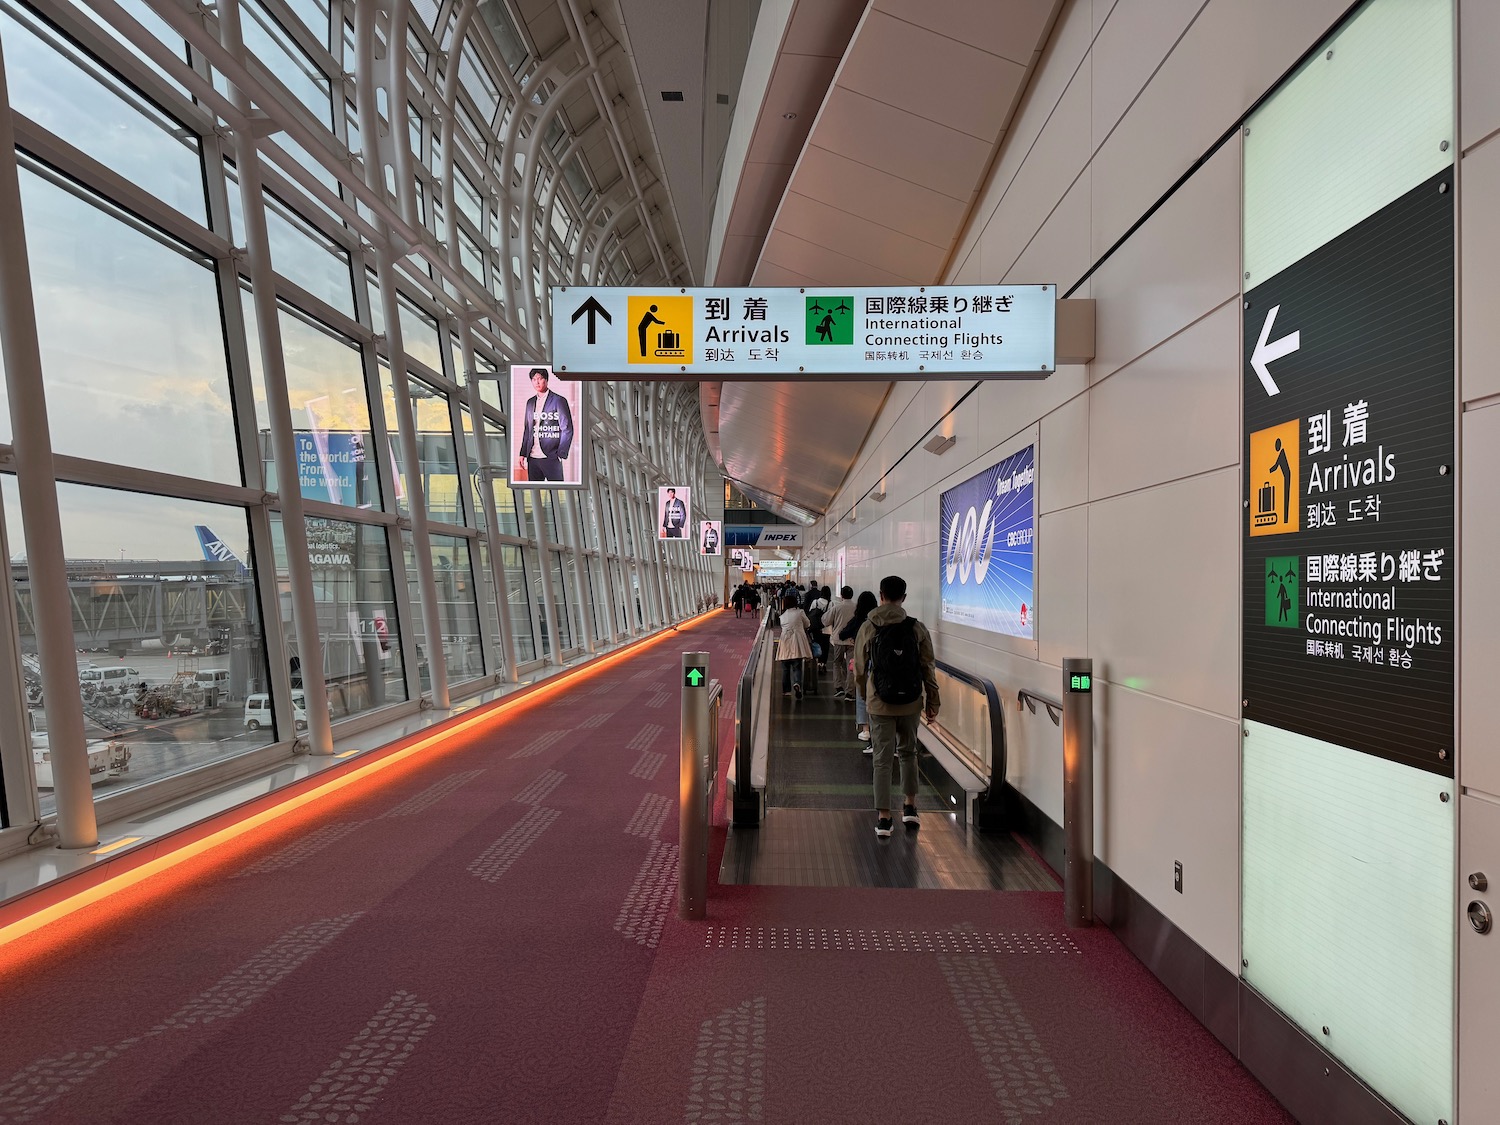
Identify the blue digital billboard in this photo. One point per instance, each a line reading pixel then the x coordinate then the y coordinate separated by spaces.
pixel 986 539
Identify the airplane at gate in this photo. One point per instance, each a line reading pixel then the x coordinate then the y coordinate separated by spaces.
pixel 216 550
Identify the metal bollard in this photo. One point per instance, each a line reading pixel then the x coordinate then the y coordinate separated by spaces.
pixel 694 751
pixel 1078 790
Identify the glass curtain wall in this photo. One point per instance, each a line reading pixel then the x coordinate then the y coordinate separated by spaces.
pixel 182 426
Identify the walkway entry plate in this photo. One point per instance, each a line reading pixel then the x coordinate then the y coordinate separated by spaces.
pixel 786 334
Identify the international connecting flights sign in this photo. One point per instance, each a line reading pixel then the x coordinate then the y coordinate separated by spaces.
pixel 1349 522
pixel 780 334
pixel 986 538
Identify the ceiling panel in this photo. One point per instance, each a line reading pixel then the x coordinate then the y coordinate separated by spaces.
pixel 1011 29
pixel 883 136
pixel 947 93
pixel 820 223
pixel 926 214
pixel 797 85
pixel 829 266
pixel 761 184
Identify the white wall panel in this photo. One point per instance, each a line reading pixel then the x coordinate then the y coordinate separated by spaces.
pixel 1167 777
pixel 1061 58
pixel 1062 585
pixel 1183 263
pixel 1479 77
pixel 1059 154
pixel 1063 460
pixel 1060 253
pixel 1128 47
pixel 1479 235
pixel 1193 379
pixel 1233 53
pixel 1479 664
pixel 1164 590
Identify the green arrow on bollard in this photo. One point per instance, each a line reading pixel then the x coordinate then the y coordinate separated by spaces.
pixel 694 677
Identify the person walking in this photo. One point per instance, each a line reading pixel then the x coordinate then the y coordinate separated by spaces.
pixel 895 661
pixel 737 599
pixel 793 647
pixel 847 634
pixel 839 614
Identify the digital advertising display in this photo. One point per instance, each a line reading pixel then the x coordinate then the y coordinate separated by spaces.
pixel 742 558
pixel 546 413
pixel 710 537
pixel 673 503
pixel 986 546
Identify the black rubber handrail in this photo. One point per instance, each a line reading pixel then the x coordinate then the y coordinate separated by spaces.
pixel 746 805
pixel 994 794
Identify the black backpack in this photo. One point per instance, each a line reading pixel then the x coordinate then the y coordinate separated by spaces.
pixel 815 620
pixel 895 663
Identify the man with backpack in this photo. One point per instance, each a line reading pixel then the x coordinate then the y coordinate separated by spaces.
pixel 895 662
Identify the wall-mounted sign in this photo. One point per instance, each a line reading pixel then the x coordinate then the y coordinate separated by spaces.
pixel 976 331
pixel 710 537
pixel 546 414
pixel 763 535
pixel 673 503
pixel 986 538
pixel 742 558
pixel 1349 522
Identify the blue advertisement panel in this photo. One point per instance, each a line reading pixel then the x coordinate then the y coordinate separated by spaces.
pixel 986 542
pixel 329 463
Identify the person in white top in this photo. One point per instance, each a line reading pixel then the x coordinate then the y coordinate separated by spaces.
pixel 793 647
pixel 834 619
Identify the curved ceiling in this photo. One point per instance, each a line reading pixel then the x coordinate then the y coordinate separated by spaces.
pixel 900 145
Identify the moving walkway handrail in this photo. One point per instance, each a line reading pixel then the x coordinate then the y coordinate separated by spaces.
pixel 994 794
pixel 746 805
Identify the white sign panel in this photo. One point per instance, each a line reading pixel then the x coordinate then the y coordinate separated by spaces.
pixel 546 414
pixel 974 331
pixel 673 503
pixel 710 537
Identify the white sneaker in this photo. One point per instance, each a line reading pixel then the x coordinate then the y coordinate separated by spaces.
pixel 864 736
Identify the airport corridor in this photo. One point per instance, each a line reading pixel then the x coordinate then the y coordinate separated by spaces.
pixel 488 933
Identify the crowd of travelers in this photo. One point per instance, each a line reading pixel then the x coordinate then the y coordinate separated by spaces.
pixel 883 663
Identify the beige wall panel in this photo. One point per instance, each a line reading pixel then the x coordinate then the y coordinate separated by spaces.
pixel 1190 384
pixel 1166 788
pixel 961 85
pixel 1479 714
pixel 768 273
pixel 1128 48
pixel 818 223
pixel 1007 408
pixel 1064 52
pixel 797 82
pixel 881 135
pixel 759 194
pixel 1063 459
pixel 1001 27
pixel 828 266
pixel 1060 153
pixel 1164 590
pixel 928 215
pixel 1233 54
pixel 1479 76
pixel 1060 253
pixel 1480 236
pixel 1062 586
pixel 1102 9
pixel 1180 265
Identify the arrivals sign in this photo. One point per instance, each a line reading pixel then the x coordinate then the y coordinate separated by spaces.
pixel 976 331
pixel 1349 503
pixel 986 543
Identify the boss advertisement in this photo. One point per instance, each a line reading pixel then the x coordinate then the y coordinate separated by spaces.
pixel 673 503
pixel 986 542
pixel 711 537
pixel 546 414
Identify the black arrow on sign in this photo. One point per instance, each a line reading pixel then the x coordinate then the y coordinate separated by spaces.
pixel 594 309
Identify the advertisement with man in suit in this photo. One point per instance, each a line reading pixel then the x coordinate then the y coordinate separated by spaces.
pixel 545 414
pixel 672 507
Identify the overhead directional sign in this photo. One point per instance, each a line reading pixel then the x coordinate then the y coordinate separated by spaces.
pixel 977 331
pixel 1267 350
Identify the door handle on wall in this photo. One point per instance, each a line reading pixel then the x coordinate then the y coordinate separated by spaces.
pixel 1480 917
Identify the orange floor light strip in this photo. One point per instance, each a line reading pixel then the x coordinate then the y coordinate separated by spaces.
pixel 371 769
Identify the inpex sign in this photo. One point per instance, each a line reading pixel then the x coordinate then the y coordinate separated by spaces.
pixel 784 537
pixel 762 535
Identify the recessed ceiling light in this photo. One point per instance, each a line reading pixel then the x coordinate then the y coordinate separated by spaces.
pixel 789 116
pixel 671 95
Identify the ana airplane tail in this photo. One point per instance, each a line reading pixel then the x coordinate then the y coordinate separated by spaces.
pixel 216 550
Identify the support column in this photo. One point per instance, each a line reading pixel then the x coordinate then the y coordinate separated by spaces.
pixel 574 541
pixel 544 564
pixel 45 558
pixel 278 407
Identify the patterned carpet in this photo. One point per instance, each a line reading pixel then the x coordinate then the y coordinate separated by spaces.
pixel 491 937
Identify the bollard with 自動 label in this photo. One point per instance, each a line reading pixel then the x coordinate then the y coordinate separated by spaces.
pixel 1078 790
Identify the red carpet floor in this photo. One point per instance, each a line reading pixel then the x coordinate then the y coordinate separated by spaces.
pixel 492 937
